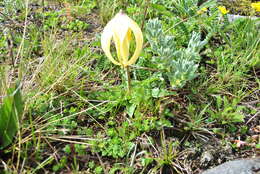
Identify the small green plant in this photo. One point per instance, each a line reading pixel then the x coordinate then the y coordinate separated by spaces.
pixel 179 65
pixel 196 119
pixel 51 20
pixel 82 9
pixel 60 165
pixel 182 8
pixel 165 161
pixel 75 25
pixel 114 147
pixel 97 169
pixel 226 112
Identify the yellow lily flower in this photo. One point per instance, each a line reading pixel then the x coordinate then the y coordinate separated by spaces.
pixel 120 29
pixel 256 6
pixel 223 10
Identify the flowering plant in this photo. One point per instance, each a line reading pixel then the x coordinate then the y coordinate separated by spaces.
pixel 120 30
pixel 256 6
pixel 223 10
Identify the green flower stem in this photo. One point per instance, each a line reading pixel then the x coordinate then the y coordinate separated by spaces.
pixel 128 78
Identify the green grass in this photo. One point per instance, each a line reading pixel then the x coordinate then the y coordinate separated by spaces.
pixel 196 78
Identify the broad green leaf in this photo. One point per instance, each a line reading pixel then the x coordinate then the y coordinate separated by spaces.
pixel 10 113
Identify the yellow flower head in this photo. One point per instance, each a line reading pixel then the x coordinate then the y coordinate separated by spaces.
pixel 223 10
pixel 119 29
pixel 256 6
pixel 202 10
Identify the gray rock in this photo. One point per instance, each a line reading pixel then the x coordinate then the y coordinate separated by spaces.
pixel 232 18
pixel 243 166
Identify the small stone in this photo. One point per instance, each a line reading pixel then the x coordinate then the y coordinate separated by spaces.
pixel 243 166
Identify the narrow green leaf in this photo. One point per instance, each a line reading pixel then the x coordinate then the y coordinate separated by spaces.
pixel 162 9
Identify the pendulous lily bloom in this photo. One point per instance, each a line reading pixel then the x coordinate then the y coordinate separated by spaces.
pixel 119 29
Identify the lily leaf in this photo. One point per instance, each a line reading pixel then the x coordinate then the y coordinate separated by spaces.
pixel 10 113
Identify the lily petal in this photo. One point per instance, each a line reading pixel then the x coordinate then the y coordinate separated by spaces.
pixel 125 47
pixel 121 36
pixel 106 38
pixel 138 40
pixel 116 39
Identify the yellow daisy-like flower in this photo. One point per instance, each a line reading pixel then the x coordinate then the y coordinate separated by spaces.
pixel 256 6
pixel 120 29
pixel 202 10
pixel 223 10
